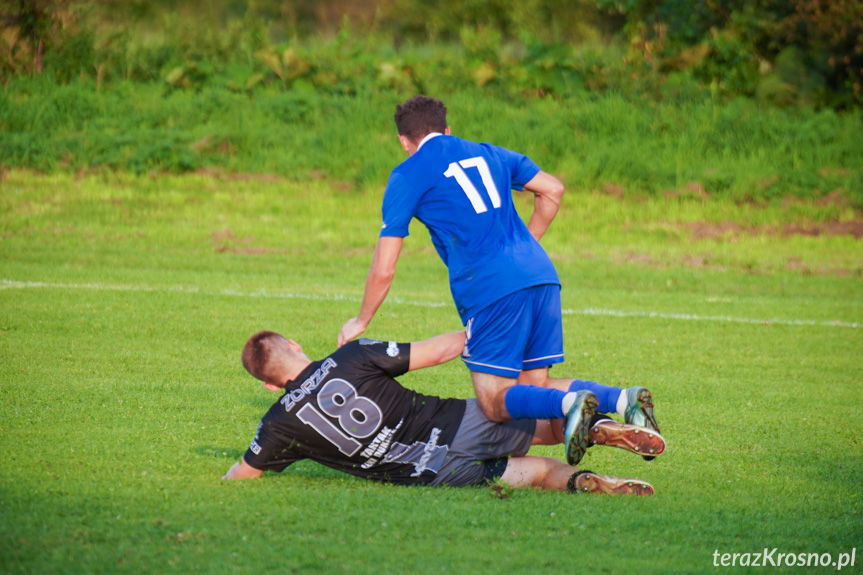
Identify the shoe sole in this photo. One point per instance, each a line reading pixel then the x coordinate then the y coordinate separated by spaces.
pixel 606 485
pixel 579 438
pixel 639 440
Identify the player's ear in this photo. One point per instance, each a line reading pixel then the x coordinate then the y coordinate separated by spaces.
pixel 295 347
pixel 447 132
pixel 405 142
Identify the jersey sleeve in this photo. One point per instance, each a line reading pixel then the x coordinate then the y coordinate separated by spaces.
pixel 269 453
pixel 390 357
pixel 399 206
pixel 522 168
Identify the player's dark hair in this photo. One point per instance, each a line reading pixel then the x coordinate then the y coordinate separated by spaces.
pixel 257 352
pixel 420 116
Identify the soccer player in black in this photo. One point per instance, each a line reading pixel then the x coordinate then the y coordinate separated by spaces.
pixel 349 413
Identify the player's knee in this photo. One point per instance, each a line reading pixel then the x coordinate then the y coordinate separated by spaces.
pixel 491 395
pixel 493 409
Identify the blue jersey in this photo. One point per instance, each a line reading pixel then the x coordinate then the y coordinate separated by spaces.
pixel 462 192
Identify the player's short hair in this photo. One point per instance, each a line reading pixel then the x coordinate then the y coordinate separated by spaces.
pixel 420 116
pixel 259 355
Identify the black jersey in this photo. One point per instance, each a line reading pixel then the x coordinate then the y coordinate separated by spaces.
pixel 348 413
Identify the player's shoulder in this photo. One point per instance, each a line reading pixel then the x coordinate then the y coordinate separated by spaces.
pixel 371 356
pixel 364 346
pixel 374 351
pixel 350 349
pixel 403 176
pixel 488 150
pixel 391 348
pixel 498 150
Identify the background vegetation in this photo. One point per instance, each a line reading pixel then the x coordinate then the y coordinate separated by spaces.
pixel 789 53
pixel 285 89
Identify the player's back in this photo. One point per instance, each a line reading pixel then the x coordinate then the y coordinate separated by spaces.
pixel 347 412
pixel 462 192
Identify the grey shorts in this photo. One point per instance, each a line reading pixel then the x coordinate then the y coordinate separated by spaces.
pixel 480 448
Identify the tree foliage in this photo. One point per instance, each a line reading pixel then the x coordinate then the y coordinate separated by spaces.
pixel 30 29
pixel 802 51
pixel 786 52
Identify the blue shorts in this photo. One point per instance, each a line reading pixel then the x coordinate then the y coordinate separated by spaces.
pixel 518 332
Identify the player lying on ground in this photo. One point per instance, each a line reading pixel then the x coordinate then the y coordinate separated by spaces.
pixel 504 285
pixel 349 413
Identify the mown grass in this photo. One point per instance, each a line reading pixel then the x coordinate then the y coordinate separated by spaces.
pixel 125 301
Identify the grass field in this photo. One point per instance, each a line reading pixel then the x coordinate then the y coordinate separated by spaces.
pixel 125 301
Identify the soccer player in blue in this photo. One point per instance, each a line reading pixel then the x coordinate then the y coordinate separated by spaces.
pixel 504 285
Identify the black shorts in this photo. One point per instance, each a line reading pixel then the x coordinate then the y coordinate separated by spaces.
pixel 481 447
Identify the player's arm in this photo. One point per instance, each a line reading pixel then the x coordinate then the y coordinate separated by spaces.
pixel 437 350
pixel 547 194
pixel 378 283
pixel 242 470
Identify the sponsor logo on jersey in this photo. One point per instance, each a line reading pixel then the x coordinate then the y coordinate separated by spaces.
pixel 379 445
pixel 392 349
pixel 428 451
pixel 255 448
pixel 309 386
pixel 424 456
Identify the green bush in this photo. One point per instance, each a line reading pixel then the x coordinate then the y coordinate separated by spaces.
pixel 800 53
pixel 638 120
pixel 742 149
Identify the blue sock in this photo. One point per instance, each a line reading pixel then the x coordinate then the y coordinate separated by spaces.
pixel 532 402
pixel 606 394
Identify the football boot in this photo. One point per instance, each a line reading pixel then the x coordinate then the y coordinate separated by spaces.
pixel 590 482
pixel 639 410
pixel 640 440
pixel 577 426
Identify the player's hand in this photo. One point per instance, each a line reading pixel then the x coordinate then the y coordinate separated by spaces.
pixel 353 328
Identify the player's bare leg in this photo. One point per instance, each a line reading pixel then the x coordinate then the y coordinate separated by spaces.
pixel 490 392
pixel 539 377
pixel 557 383
pixel 494 393
pixel 551 474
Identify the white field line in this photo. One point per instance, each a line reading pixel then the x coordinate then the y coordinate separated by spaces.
pixel 13 284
